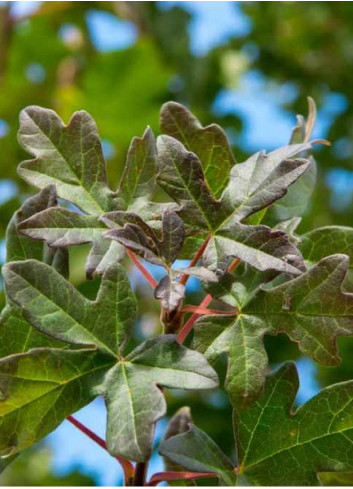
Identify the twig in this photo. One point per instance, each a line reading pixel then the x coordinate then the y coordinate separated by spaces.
pixel 140 474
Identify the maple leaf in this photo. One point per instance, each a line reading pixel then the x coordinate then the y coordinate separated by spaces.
pixel 253 185
pixel 52 305
pixel 312 310
pixel 276 443
pixel 80 178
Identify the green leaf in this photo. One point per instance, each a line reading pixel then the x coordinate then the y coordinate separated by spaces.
pixel 179 423
pixel 202 273
pixel 263 179
pixel 59 227
pixel 139 178
pixel 55 307
pixel 19 247
pixel 295 202
pixel 311 309
pixel 259 246
pixel 38 389
pixel 80 178
pixel 134 401
pixel 69 156
pixel 208 143
pixel 181 176
pixel 195 451
pixel 16 334
pixel 277 445
pixel 325 241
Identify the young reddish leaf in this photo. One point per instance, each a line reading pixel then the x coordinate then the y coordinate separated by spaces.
pixel 170 292
pixel 142 239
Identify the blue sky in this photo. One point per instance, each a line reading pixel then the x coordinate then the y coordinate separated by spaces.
pixel 266 125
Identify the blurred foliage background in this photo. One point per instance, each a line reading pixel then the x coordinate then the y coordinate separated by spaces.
pixel 120 61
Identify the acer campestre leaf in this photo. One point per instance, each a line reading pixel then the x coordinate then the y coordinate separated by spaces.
pixel 181 176
pixel 134 401
pixel 170 292
pixel 259 246
pixel 55 307
pixel 16 334
pixel 52 305
pixel 178 424
pixel 19 247
pixel 263 179
pixel 208 143
pixel 140 237
pixel 195 451
pixel 59 227
pixel 296 200
pixel 138 180
pixel 70 157
pixel 38 389
pixel 80 177
pixel 311 309
pixel 278 445
pixel 325 241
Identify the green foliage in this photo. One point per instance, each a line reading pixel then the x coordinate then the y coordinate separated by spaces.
pixel 276 445
pixel 63 349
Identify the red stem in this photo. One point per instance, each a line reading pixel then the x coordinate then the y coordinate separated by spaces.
pixel 173 476
pixel 234 264
pixel 185 330
pixel 204 310
pixel 142 269
pixel 127 466
pixel 184 278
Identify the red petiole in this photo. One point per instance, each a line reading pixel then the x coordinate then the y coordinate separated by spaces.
pixel 127 466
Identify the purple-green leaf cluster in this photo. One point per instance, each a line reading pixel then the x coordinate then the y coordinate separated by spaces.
pixel 181 195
